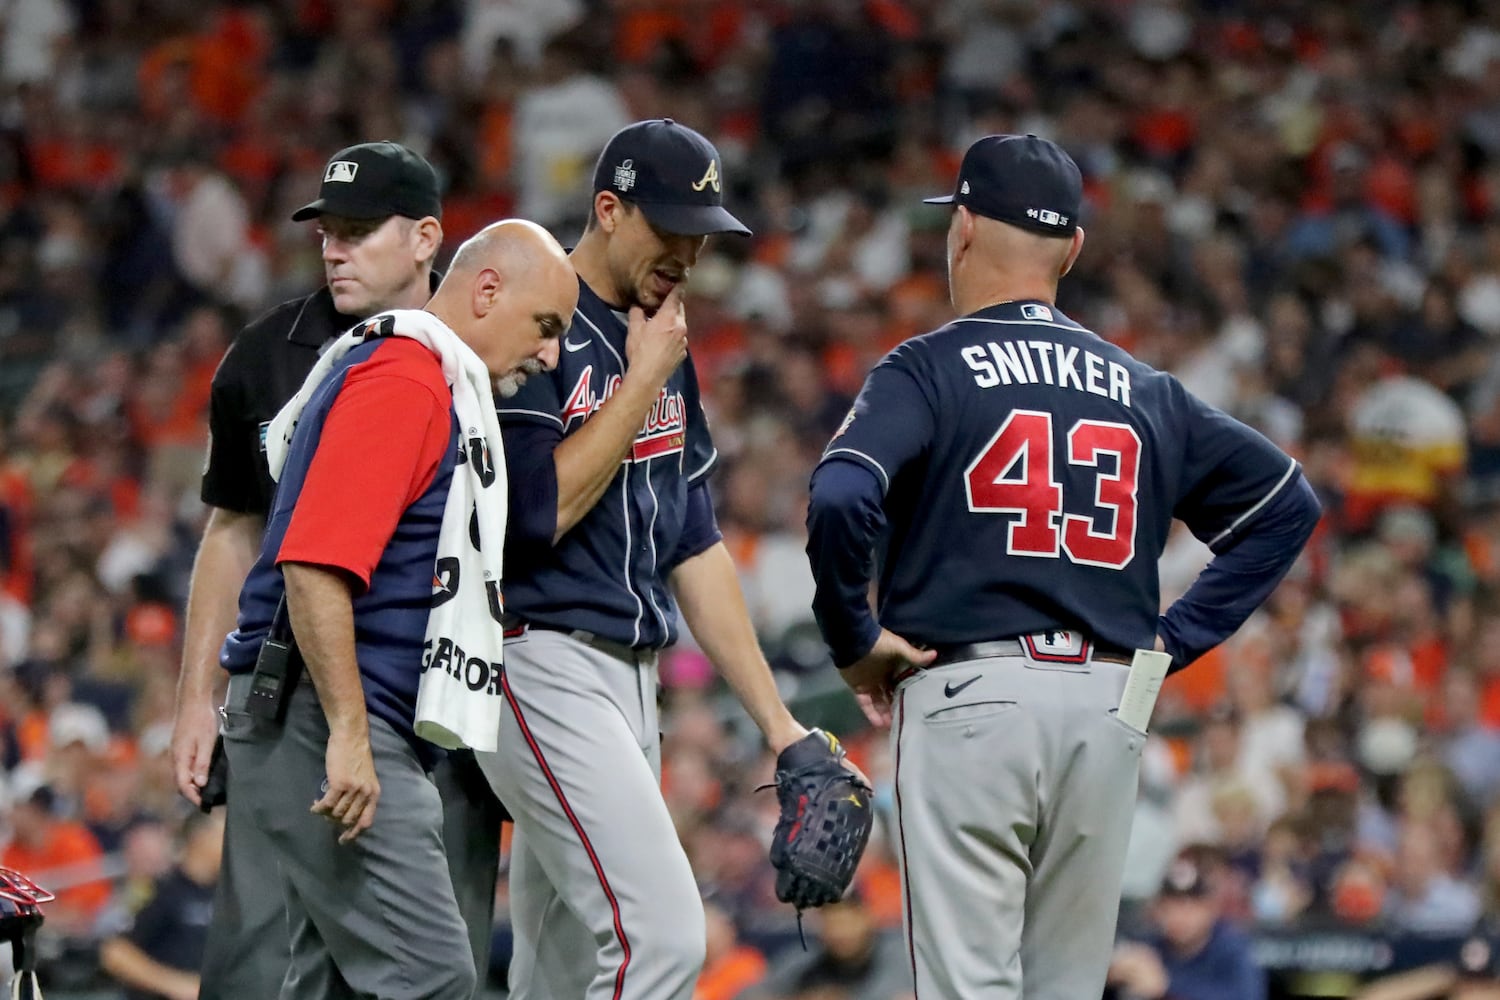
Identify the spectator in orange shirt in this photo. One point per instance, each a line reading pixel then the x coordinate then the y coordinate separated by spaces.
pixel 57 853
pixel 729 966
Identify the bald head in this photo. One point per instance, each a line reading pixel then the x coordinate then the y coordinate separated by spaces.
pixel 510 246
pixel 991 261
pixel 509 294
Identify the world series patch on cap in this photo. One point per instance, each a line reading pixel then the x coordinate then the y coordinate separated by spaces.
pixel 672 174
pixel 374 180
pixel 1024 180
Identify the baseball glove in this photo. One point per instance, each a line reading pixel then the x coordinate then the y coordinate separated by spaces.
pixel 825 822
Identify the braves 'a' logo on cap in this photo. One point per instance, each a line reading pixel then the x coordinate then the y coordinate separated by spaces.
pixel 625 175
pixel 710 177
pixel 964 188
pixel 342 171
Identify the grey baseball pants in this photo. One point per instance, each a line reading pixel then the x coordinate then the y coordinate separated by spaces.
pixel 1015 787
pixel 376 918
pixel 247 950
pixel 603 901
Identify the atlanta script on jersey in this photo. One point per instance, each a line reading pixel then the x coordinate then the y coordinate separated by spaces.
pixel 606 574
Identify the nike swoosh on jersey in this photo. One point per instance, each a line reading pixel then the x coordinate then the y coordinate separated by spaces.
pixel 571 347
pixel 950 689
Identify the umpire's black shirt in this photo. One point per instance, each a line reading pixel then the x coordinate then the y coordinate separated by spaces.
pixel 263 368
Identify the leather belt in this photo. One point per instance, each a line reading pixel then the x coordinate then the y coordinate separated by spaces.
pixel 1017 647
pixel 514 628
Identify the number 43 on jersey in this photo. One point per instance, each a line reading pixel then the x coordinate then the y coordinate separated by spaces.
pixel 1014 474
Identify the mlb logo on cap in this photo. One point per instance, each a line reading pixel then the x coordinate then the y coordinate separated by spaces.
pixel 1022 180
pixel 342 171
pixel 375 180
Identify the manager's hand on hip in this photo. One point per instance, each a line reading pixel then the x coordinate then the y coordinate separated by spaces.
pixel 351 789
pixel 194 730
pixel 656 346
pixel 870 676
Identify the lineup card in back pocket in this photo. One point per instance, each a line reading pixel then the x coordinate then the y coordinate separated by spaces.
pixel 1147 670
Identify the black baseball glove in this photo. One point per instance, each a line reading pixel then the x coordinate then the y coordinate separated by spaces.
pixel 825 822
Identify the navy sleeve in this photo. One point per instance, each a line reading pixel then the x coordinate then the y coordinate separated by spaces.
pixel 700 527
pixel 700 455
pixel 1247 566
pixel 1230 472
pixel 844 518
pixel 532 479
pixel 889 425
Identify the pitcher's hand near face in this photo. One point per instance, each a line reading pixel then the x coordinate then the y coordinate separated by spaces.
pixel 654 347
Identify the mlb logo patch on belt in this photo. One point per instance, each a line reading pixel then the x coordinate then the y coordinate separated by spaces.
pixel 1057 645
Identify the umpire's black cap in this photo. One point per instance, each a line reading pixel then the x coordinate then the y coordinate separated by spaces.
pixel 672 173
pixel 374 180
pixel 1020 179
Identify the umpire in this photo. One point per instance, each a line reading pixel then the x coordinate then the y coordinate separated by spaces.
pixel 378 213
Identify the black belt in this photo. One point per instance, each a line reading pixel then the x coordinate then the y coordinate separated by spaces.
pixel 635 655
pixel 1015 647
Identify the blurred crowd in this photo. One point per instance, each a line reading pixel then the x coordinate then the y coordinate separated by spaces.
pixel 1292 205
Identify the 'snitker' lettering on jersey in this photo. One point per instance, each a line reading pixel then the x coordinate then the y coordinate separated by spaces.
pixel 1041 362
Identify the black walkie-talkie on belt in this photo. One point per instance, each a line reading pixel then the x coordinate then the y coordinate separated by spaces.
pixel 277 669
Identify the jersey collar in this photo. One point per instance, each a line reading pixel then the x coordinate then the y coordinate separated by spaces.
pixel 1026 311
pixel 591 305
pixel 318 321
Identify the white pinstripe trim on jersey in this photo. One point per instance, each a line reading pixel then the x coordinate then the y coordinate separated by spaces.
pixel 885 476
pixel 640 605
pixel 1251 512
pixel 533 413
pixel 600 332
pixel 703 469
pixel 651 534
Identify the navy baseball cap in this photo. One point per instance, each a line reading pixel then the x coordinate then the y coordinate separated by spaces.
pixel 1184 878
pixel 1020 179
pixel 672 173
pixel 374 180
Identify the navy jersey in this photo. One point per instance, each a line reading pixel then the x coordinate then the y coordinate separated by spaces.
pixel 1030 473
pixel 172 927
pixel 608 574
pixel 377 436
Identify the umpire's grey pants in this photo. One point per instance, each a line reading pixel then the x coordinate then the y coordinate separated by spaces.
pixel 247 950
pixel 376 918
pixel 1015 788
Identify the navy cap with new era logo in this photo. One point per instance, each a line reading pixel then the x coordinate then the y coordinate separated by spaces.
pixel 1020 179
pixel 374 180
pixel 672 173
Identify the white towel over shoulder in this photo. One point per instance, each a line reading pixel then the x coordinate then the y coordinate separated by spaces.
pixel 458 700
